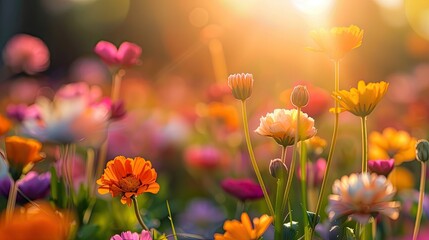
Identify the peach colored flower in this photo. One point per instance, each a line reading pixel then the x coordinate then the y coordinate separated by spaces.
pixel 241 85
pixel 236 230
pixel 281 125
pixel 361 196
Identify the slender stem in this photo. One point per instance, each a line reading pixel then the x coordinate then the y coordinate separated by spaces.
pixel 253 160
pixel 102 152
pixel 333 143
pixel 10 208
pixel 293 163
pixel 116 84
pixel 90 170
pixel 421 197
pixel 303 163
pixel 278 220
pixel 290 212
pixel 171 221
pixel 136 211
pixel 364 145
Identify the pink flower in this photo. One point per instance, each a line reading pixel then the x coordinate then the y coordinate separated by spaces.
pixel 26 53
pixel 127 55
pixel 381 167
pixel 315 172
pixel 128 235
pixel 205 157
pixel 243 189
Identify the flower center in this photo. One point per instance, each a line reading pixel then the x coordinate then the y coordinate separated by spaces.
pixel 129 183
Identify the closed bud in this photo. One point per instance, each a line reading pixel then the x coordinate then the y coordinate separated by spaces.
pixel 278 169
pixel 299 96
pixel 241 85
pixel 422 150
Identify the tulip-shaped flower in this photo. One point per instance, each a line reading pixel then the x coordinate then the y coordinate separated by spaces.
pixel 337 41
pixel 126 55
pixel 243 230
pixel 241 85
pixel 361 196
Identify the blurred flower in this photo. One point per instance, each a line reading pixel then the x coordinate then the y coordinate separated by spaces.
pixel 31 187
pixel 337 41
pixel 225 114
pixel 77 168
pixel 127 55
pixel 128 178
pixel 361 196
pixel 21 153
pixel 244 230
pixel 361 101
pixel 315 172
pixel 5 125
pixel 281 125
pixel 299 96
pixel 381 167
pixel 241 85
pixel 39 222
pixel 128 235
pixel 204 157
pixel 218 92
pixel 26 53
pixel 117 109
pixel 16 112
pixel 315 146
pixel 401 178
pixel 243 189
pixel 392 143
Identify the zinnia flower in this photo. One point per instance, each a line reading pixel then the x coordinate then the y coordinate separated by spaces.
pixel 337 41
pixel 127 55
pixel 236 230
pixel 243 189
pixel 361 196
pixel 281 125
pixel 381 167
pixel 128 235
pixel 31 187
pixel 128 178
pixel 392 143
pixel 361 101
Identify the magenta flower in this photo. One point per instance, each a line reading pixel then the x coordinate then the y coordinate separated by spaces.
pixel 127 55
pixel 25 53
pixel 128 235
pixel 32 187
pixel 205 157
pixel 243 189
pixel 381 167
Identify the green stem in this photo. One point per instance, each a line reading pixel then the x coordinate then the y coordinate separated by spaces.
pixel 10 208
pixel 421 196
pixel 364 145
pixel 253 160
pixel 90 170
pixel 303 163
pixel 278 220
pixel 333 143
pixel 136 211
pixel 171 221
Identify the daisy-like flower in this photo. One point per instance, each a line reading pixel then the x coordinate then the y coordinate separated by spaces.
pixel 361 101
pixel 281 125
pixel 337 41
pixel 392 143
pixel 128 235
pixel 236 230
pixel 361 196
pixel 128 178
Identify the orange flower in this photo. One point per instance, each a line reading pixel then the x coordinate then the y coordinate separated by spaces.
pixel 5 125
pixel 225 114
pixel 337 41
pixel 236 230
pixel 128 178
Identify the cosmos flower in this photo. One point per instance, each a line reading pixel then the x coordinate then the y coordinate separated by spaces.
pixel 26 53
pixel 31 187
pixel 337 41
pixel 281 125
pixel 243 189
pixel 392 143
pixel 128 235
pixel 243 230
pixel 361 196
pixel 361 101
pixel 126 55
pixel 128 178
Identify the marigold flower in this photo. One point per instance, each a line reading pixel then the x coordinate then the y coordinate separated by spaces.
pixel 281 125
pixel 5 125
pixel 337 41
pixel 128 178
pixel 241 85
pixel 244 230
pixel 361 101
pixel 243 189
pixel 361 196
pixel 392 143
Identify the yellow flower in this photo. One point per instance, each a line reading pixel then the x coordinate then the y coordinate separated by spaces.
pixel 401 178
pixel 337 41
pixel 361 196
pixel 5 125
pixel 315 145
pixel 22 153
pixel 281 125
pixel 236 230
pixel 361 101
pixel 128 178
pixel 392 143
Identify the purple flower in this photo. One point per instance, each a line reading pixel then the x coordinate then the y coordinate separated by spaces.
pixel 128 235
pixel 126 55
pixel 381 167
pixel 32 187
pixel 243 189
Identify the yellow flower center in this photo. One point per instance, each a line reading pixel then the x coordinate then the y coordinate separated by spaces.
pixel 129 183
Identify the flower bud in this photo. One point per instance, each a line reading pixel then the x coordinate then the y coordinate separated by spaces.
pixel 277 168
pixel 241 85
pixel 299 96
pixel 422 150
